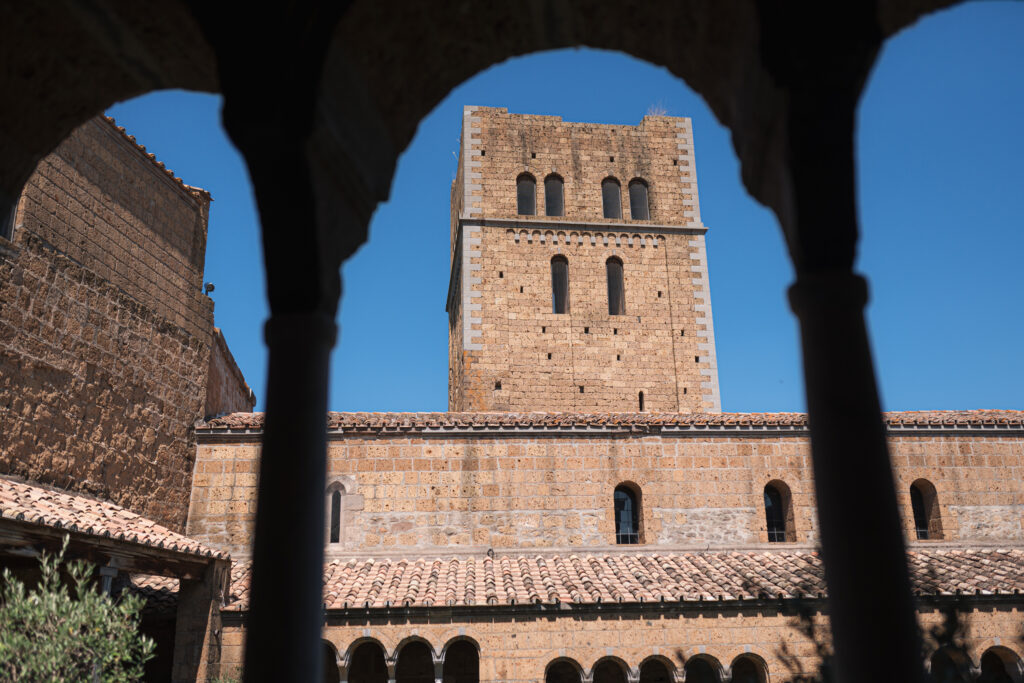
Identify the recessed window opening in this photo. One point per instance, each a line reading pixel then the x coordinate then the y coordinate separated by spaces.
pixel 696 359
pixel 639 209
pixel 581 389
pixel 543 330
pixel 501 274
pixel 682 333
pixel 559 284
pixel 641 401
pixel 684 390
pixel 616 287
pixel 611 158
pixel 586 330
pixel 925 506
pixel 675 162
pixel 533 155
pixel 520 289
pixel 659 293
pixel 611 199
pixel 336 516
pixel 483 152
pixel 615 330
pixel 549 356
pixel 627 515
pixel 526 195
pixel 553 202
pixel 778 513
pixel 618 356
pixel 497 385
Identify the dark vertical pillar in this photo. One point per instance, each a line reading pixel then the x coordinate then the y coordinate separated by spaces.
pixel 197 625
pixel 870 602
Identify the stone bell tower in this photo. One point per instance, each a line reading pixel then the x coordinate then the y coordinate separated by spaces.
pixel 579 278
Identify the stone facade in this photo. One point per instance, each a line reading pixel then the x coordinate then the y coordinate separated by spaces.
pixel 226 388
pixel 105 335
pixel 507 350
pixel 434 490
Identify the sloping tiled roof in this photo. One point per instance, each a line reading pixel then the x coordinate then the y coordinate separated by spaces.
pixel 399 422
pixel 634 578
pixel 84 515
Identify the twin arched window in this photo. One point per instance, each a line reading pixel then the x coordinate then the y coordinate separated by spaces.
pixel 560 285
pixel 554 197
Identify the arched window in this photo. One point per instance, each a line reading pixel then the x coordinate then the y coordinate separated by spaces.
pixel 609 671
pixel 335 513
pixel 562 671
pixel 747 669
pixel 639 209
pixel 655 671
pixel 461 663
pixel 1000 664
pixel 924 502
pixel 701 670
pixel 778 513
pixel 627 515
pixel 526 194
pixel 616 287
pixel 331 672
pixel 611 198
pixel 553 201
pixel 367 664
pixel 559 284
pixel 415 664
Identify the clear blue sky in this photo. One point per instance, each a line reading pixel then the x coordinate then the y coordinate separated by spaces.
pixel 941 198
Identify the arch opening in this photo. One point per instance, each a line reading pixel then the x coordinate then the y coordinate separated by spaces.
pixel 367 663
pixel 702 670
pixel 924 504
pixel 526 195
pixel 616 286
pixel 611 198
pixel 627 503
pixel 559 284
pixel 554 204
pixel 563 671
pixel 415 663
pixel 778 513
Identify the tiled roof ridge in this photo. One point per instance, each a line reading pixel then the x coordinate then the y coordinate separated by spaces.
pixel 648 576
pixel 399 421
pixel 71 511
pixel 191 189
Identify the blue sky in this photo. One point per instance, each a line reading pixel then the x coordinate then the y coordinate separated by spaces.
pixel 941 200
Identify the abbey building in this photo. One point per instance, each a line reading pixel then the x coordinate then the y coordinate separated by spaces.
pixel 584 513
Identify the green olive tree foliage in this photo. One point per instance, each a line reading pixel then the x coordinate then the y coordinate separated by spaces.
pixel 69 631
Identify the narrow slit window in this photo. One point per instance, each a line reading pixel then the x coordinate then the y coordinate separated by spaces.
pixel 611 198
pixel 526 195
pixel 627 515
pixel 336 517
pixel 641 397
pixel 559 285
pixel 553 200
pixel 639 208
pixel 616 287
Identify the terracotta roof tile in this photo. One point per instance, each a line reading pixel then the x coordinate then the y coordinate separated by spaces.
pixel 84 515
pixel 196 191
pixel 378 423
pixel 628 578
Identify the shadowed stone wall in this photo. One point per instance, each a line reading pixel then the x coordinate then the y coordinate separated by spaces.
pixel 104 333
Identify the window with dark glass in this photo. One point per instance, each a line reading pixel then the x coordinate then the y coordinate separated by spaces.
pixel 616 287
pixel 774 514
pixel 611 198
pixel 336 517
pixel 627 516
pixel 553 201
pixel 559 285
pixel 639 209
pixel 526 195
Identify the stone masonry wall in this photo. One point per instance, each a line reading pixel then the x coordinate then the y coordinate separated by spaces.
pixel 520 648
pixel 508 351
pixel 105 335
pixel 434 495
pixel 226 389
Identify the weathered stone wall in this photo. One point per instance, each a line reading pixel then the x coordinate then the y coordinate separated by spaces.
pixel 105 335
pixel 520 648
pixel 226 388
pixel 424 494
pixel 508 351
